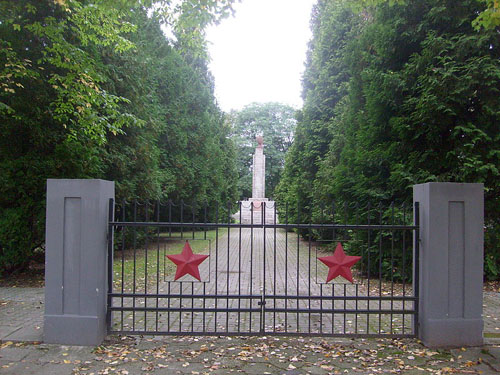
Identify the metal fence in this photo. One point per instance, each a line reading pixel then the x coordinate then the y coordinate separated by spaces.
pixel 262 274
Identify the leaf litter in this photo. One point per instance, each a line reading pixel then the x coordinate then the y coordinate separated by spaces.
pixel 207 355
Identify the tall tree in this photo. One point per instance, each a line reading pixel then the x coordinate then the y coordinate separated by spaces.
pixel 398 95
pixel 324 88
pixel 93 89
pixel 486 16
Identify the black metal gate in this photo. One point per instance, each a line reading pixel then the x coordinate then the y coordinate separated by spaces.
pixel 262 274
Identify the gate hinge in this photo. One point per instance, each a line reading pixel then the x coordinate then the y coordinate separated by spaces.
pixel 261 303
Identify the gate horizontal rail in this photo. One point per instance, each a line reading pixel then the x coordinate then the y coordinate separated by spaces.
pixel 287 310
pixel 260 226
pixel 186 309
pixel 282 334
pixel 266 296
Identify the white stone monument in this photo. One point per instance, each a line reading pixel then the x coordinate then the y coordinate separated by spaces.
pixel 263 209
pixel 259 171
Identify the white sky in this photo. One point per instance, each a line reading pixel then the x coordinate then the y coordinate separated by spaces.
pixel 259 55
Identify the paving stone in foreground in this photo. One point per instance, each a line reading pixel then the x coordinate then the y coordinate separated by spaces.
pixel 21 314
pixel 246 355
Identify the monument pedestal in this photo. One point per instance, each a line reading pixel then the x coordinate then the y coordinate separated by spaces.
pixel 262 209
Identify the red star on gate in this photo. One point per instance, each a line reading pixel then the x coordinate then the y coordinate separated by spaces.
pixel 187 262
pixel 339 264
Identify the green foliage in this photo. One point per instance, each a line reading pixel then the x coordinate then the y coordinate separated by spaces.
pixel 20 234
pixel 394 96
pixel 276 123
pixel 491 253
pixel 53 33
pixel 95 90
pixel 488 17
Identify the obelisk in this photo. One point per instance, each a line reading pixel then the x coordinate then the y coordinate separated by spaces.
pixel 258 209
pixel 259 170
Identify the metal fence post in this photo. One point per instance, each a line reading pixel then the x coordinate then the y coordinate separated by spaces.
pixel 416 265
pixel 111 214
pixel 450 263
pixel 76 282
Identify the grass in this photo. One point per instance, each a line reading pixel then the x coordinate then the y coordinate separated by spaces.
pixel 148 265
pixel 491 335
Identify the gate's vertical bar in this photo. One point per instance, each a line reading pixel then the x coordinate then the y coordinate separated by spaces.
pixel 204 305
pixel 124 207
pixel 333 285
pixel 357 284
pixel 345 306
pixel 193 209
pixel 286 267
pixel 416 266
pixel 309 274
pixel 168 306
pixel 193 206
pixel 181 284
pixel 180 305
pixel 275 281
pixel 346 221
pixel 322 221
pixel 158 207
pixel 392 265
pixel 227 260
pixel 297 276
pixel 216 261
pixel 239 271
pixel 263 292
pixel 170 217
pixel 321 309
pixel 251 265
pixel 135 265
pixel 169 282
pixel 204 284
pixel 192 308
pixel 146 204
pixel 205 221
pixel 182 218
pixel 404 268
pixel 380 268
pixel 368 273
pixel 110 261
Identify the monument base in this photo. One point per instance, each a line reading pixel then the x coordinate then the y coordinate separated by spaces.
pixel 257 211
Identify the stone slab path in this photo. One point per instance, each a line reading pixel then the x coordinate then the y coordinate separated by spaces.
pixel 245 355
pixel 21 314
pixel 22 350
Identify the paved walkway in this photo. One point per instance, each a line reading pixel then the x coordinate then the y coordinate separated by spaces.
pixel 21 350
pixel 21 315
pixel 245 355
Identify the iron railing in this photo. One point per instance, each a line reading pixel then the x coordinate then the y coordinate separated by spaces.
pixel 262 276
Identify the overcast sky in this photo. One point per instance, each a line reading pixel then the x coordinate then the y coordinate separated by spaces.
pixel 259 55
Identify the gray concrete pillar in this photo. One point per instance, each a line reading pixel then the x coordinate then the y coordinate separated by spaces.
pixel 76 261
pixel 451 263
